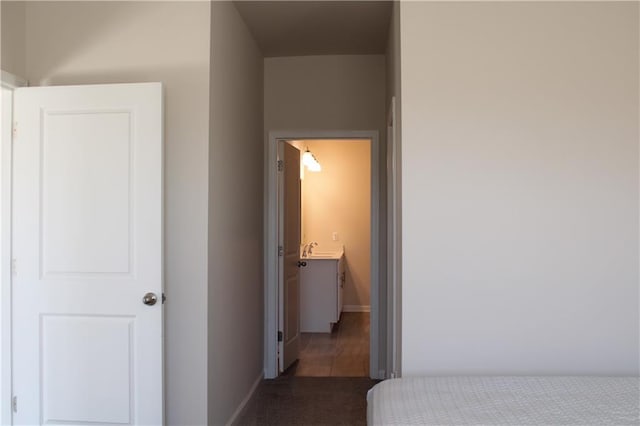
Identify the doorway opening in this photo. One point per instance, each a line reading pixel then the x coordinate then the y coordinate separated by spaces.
pixel 335 250
pixel 322 252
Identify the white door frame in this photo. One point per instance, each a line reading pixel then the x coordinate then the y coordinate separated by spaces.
pixel 393 244
pixel 271 273
pixel 10 82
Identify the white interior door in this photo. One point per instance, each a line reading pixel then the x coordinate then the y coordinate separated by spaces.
pixel 290 301
pixel 87 244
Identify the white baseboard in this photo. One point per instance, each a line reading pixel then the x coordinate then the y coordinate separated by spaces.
pixel 356 308
pixel 244 402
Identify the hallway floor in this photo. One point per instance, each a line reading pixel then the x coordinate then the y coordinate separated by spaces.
pixel 325 399
pixel 290 400
pixel 341 353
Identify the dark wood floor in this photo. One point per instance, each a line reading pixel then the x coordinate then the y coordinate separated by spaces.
pixel 294 401
pixel 342 353
pixel 323 399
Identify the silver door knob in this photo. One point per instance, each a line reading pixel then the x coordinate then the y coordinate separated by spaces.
pixel 150 299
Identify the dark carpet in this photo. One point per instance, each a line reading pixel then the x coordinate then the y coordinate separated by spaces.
pixel 309 401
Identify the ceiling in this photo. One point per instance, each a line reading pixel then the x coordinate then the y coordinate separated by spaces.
pixel 300 28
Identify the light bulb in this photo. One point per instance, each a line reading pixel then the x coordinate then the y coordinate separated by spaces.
pixel 315 167
pixel 307 158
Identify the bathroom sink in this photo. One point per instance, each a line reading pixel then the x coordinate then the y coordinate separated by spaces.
pixel 337 254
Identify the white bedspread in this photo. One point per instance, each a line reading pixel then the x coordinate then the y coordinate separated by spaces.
pixel 471 400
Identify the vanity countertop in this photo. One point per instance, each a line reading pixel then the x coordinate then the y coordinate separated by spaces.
pixel 324 255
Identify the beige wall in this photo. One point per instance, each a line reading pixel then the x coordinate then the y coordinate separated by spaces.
pixel 235 214
pixel 12 37
pixel 520 187
pixel 338 199
pixel 112 42
pixel 344 92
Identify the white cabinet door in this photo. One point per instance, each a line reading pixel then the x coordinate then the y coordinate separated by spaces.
pixel 88 247
pixel 319 296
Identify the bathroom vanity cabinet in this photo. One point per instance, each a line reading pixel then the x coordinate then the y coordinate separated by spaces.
pixel 321 293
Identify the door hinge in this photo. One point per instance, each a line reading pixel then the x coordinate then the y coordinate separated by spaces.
pixel 279 336
pixel 14 404
pixel 14 129
pixel 280 251
pixel 280 165
pixel 14 267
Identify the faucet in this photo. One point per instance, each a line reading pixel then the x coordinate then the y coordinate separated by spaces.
pixel 311 246
pixel 308 248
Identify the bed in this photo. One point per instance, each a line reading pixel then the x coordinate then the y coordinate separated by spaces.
pixel 509 400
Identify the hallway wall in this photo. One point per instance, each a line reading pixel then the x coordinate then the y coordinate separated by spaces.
pixel 236 315
pixel 339 92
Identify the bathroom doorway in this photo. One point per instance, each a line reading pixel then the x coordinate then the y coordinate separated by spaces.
pixel 335 278
pixel 328 323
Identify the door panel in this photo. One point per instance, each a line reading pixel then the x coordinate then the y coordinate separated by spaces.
pixel 291 273
pixel 71 348
pixel 291 301
pixel 86 192
pixel 88 247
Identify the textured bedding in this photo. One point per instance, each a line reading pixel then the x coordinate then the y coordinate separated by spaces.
pixel 511 400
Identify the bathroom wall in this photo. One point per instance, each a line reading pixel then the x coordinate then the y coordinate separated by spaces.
pixel 338 199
